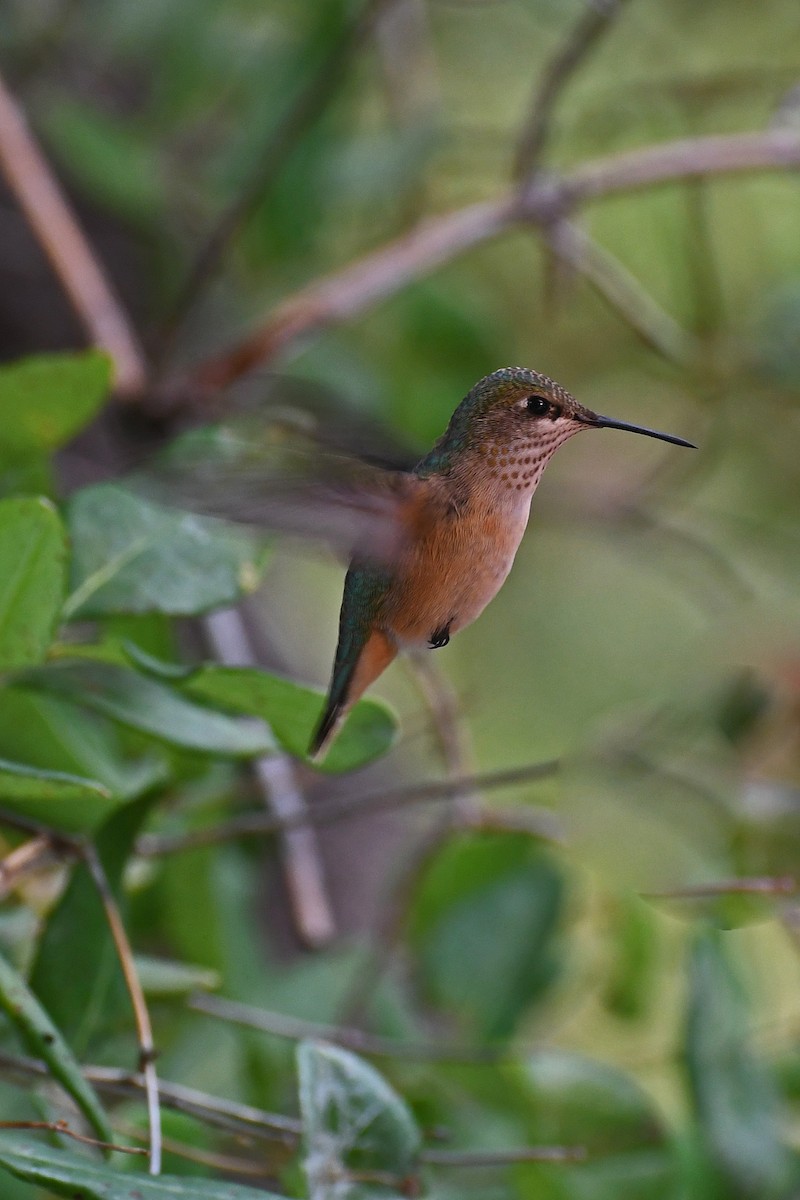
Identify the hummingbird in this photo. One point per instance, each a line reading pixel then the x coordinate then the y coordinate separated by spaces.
pixel 463 508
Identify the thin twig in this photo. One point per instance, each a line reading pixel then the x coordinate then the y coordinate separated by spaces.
pixel 284 1026
pixel 504 1158
pixel 581 39
pixel 63 1128
pixel 37 854
pixel 141 1014
pixel 242 1119
pixel 41 200
pixel 623 292
pixel 340 807
pixel 277 781
pixel 759 885
pixel 280 143
pixel 346 293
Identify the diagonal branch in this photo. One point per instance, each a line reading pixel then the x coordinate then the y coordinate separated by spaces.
pixel 347 293
pixel 40 198
pixel 147 1051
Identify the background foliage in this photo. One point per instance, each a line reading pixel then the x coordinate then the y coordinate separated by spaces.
pixel 503 980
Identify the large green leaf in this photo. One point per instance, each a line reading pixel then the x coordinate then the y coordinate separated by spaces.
pixel 485 930
pixel 45 1041
pixel 32 571
pixel 81 1179
pixel 354 1122
pixel 45 400
pixel 151 707
pixel 734 1094
pixel 131 555
pixel 291 709
pixel 49 735
pixel 54 797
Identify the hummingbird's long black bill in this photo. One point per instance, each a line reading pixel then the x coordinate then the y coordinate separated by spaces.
pixel 610 423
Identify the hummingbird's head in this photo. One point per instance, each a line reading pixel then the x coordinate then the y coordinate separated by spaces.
pixel 516 419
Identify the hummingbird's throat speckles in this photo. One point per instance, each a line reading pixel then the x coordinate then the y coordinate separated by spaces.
pixel 519 467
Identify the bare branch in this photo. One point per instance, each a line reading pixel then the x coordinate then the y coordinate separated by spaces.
pixel 222 1114
pixel 39 196
pixel 582 38
pixel 63 1128
pixel 341 807
pixel 764 885
pixel 345 294
pixel 140 1012
pixel 624 293
pixel 281 793
pixel 284 1026
pixel 504 1158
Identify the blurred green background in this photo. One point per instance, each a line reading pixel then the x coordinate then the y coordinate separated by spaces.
pixel 647 636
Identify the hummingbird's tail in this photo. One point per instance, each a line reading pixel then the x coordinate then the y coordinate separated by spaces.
pixel 350 680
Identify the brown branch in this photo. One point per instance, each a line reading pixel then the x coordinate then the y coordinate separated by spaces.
pixel 347 293
pixel 341 807
pixel 623 292
pixel 277 781
pixel 141 1015
pixel 222 1114
pixel 582 38
pixel 504 1158
pixel 63 1128
pixel 46 210
pixel 37 854
pixel 294 1028
pixel 765 885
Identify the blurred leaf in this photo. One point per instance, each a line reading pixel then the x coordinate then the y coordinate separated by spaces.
pixel 46 400
pixel 161 978
pixel 81 1179
pixel 577 1101
pixel 354 1121
pixel 80 1000
pixel 486 930
pixel 635 947
pixel 734 1094
pixel 131 555
pixel 51 735
pixel 32 567
pixel 120 168
pixel 44 795
pixel 151 707
pixel 43 1039
pixel 292 711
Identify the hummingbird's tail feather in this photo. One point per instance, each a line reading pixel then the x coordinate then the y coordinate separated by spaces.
pixel 350 681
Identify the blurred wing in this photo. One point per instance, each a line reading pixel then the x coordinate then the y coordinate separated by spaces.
pixel 276 474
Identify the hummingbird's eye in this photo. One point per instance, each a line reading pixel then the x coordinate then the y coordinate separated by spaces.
pixel 537 406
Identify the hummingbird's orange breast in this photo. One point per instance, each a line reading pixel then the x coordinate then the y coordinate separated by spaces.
pixel 451 570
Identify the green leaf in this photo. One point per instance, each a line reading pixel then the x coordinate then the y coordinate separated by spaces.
pixel 151 707
pixel 131 555
pixel 50 735
pixel 78 925
pixel 292 709
pixel 354 1121
pixel 46 400
pixel 52 796
pixel 162 978
pixel 81 1179
pixel 486 930
pixel 45 1041
pixel 32 571
pixel 734 1094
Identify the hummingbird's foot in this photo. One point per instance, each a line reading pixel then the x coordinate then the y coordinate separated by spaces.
pixel 441 636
